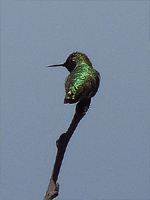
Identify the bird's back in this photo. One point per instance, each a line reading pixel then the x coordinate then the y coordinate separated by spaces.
pixel 81 83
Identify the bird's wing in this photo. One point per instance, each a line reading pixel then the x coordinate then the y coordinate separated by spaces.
pixel 82 83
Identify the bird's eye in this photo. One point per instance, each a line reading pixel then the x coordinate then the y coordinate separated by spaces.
pixel 73 62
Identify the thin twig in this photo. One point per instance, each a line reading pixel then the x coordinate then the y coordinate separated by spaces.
pixel 61 143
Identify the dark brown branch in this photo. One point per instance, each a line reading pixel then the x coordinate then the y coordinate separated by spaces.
pixel 61 143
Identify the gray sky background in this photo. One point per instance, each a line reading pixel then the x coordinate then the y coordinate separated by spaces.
pixel 108 155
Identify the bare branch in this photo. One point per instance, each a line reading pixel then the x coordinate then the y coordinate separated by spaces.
pixel 61 143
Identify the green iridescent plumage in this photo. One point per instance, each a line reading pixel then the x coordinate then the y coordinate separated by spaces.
pixel 83 81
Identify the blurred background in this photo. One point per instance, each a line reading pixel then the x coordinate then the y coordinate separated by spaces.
pixel 108 155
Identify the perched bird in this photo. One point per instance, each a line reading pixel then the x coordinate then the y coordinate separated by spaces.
pixel 83 80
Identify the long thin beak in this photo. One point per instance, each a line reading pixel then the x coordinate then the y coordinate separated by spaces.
pixel 63 65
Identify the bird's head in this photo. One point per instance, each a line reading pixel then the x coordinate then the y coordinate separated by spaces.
pixel 74 60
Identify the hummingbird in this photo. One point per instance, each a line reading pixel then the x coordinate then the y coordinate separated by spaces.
pixel 83 80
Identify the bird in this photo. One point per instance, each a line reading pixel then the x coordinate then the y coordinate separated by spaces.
pixel 83 81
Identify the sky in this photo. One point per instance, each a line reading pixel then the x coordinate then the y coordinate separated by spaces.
pixel 108 157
